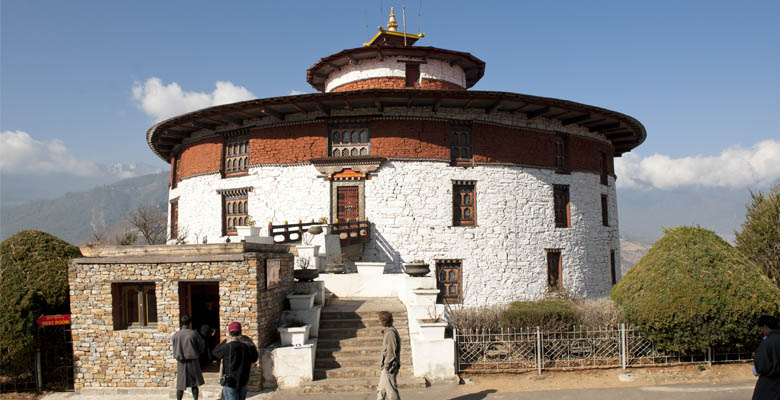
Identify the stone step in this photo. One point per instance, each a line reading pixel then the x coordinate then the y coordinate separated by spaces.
pixel 355 351
pixel 354 372
pixel 326 314
pixel 358 385
pixel 363 341
pixel 337 360
pixel 343 333
pixel 358 323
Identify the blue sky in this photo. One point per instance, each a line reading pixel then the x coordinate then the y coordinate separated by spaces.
pixel 702 76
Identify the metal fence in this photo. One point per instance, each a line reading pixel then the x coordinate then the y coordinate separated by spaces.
pixel 503 351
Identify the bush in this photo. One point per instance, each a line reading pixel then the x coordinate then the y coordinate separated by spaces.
pixel 693 290
pixel 759 240
pixel 465 318
pixel 596 313
pixel 549 314
pixel 33 281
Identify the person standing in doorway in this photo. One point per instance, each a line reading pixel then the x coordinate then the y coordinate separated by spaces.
pixel 391 359
pixel 767 360
pixel 187 348
pixel 238 353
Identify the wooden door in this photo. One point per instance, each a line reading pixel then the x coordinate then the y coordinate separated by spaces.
pixel 448 281
pixel 347 203
pixel 185 299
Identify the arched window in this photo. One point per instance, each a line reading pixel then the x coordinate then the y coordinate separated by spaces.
pixel 354 152
pixel 355 137
pixel 364 136
pixel 336 153
pixel 363 151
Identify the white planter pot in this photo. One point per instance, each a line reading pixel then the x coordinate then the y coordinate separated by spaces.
pixel 308 252
pixel 297 336
pixel 432 330
pixel 244 231
pixel 370 268
pixel 301 302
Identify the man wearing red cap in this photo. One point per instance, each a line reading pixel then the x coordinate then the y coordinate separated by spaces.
pixel 238 353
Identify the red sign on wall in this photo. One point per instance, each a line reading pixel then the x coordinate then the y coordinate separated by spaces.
pixel 51 320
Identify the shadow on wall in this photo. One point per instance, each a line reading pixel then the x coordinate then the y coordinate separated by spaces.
pixel 382 251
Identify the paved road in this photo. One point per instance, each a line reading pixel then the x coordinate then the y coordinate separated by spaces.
pixel 720 391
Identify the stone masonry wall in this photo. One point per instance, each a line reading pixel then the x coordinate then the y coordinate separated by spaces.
pixel 395 83
pixel 142 357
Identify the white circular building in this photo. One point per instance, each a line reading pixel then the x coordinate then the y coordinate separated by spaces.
pixel 506 195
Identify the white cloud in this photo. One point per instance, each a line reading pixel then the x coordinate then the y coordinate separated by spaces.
pixel 295 92
pixel 20 153
pixel 164 101
pixel 735 167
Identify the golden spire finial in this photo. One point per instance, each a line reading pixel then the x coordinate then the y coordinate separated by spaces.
pixel 392 24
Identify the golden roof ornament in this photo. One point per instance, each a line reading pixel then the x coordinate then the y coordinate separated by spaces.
pixel 392 24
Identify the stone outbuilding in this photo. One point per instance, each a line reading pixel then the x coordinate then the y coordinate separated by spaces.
pixel 506 195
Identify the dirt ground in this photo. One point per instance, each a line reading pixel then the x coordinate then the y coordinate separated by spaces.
pixel 606 378
pixel 22 396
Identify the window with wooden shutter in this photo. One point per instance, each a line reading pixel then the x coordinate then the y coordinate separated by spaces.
pixel 460 145
pixel 350 141
pixel 561 205
pixel 134 305
pixel 603 166
pixel 236 155
pixel 412 75
pixel 464 203
pixel 554 261
pixel 561 153
pixel 175 178
pixel 449 274
pixel 235 209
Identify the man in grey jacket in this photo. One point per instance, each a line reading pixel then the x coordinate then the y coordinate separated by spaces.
pixel 187 348
pixel 391 359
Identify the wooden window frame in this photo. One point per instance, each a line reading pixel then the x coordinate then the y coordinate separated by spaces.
pixel 612 267
pixel 441 285
pixel 460 189
pixel 235 155
pixel 235 209
pixel 603 167
pixel 353 148
pixel 461 142
pixel 140 294
pixel 174 234
pixel 551 254
pixel 175 164
pixel 561 156
pixel 562 206
pixel 604 210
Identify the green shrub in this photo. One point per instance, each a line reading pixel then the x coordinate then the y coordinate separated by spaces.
pixel 549 314
pixel 33 281
pixel 693 290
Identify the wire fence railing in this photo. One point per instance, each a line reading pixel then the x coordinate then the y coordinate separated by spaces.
pixel 519 350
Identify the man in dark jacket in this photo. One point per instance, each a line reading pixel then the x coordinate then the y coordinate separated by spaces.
pixel 767 360
pixel 187 348
pixel 391 359
pixel 238 353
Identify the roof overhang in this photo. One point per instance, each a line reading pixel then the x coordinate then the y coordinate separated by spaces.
pixel 623 131
pixel 318 74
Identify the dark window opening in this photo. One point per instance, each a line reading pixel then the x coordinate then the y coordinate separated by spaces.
pixel 561 153
pixel 464 203
pixel 604 211
pixel 175 161
pixel 134 305
pixel 554 269
pixel 612 266
pixel 412 75
pixel 460 145
pixel 603 166
pixel 174 220
pixel 562 207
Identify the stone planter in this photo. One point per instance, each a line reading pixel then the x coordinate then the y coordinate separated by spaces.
pixel 294 336
pixel 416 270
pixel 306 275
pixel 370 268
pixel 432 330
pixel 308 252
pixel 247 231
pixel 301 302
pixel 334 268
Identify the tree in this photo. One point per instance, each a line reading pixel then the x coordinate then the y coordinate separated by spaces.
pixel 693 290
pixel 760 237
pixel 33 282
pixel 152 222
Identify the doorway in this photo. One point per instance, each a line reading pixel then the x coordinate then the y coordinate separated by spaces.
pixel 200 300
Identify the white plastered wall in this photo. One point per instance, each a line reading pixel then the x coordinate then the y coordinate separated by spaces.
pixel 395 67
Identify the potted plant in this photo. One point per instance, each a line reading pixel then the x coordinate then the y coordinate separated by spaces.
pixel 334 265
pixel 416 268
pixel 249 229
pixel 301 301
pixel 370 268
pixel 304 273
pixel 294 333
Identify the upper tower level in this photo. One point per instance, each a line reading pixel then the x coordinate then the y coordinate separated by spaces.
pixel 391 61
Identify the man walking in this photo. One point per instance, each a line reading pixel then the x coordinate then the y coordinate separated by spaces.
pixel 187 348
pixel 391 359
pixel 238 353
pixel 767 360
